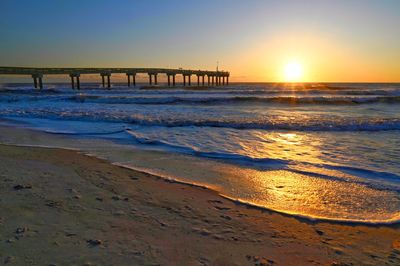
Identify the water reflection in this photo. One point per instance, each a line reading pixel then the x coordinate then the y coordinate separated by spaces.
pixel 308 196
pixel 284 145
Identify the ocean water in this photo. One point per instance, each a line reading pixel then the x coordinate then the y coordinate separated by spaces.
pixel 321 151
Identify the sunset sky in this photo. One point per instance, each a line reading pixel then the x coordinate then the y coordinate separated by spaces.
pixel 255 40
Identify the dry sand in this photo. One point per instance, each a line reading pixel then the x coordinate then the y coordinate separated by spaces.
pixel 59 207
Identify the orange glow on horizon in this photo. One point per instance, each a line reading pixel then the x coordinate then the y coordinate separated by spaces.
pixel 322 58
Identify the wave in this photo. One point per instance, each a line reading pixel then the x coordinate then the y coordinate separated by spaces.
pixel 293 100
pixel 30 98
pixel 29 91
pixel 279 164
pixel 268 123
pixel 393 221
pixel 379 125
pixel 249 204
pixel 65 132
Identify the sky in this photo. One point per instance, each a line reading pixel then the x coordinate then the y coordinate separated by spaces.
pixel 331 41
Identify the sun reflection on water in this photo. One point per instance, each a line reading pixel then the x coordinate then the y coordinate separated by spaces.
pixel 304 195
pixel 324 193
pixel 285 146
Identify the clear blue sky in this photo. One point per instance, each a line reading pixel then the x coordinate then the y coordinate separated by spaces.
pixel 250 38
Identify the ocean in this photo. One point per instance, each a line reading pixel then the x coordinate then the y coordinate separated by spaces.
pixel 327 151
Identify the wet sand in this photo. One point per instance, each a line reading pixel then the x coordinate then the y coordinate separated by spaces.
pixel 60 207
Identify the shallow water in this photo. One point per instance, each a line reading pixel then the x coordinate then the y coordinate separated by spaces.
pixel 328 151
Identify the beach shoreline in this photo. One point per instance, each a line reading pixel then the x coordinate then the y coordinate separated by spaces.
pixel 95 212
pixel 241 183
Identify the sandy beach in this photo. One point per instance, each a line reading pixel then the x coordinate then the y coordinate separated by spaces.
pixel 59 207
pixel 200 133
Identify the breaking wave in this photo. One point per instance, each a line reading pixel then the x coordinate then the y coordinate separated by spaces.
pixel 294 100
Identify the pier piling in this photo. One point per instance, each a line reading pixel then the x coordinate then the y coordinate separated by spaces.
pixel 73 77
pixel 78 84
pixel 129 79
pixel 40 83
pixel 103 75
pixel 72 81
pixel 35 81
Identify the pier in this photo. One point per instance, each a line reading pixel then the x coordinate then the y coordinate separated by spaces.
pixel 214 78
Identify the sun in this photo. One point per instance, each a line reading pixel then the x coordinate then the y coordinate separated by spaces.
pixel 293 71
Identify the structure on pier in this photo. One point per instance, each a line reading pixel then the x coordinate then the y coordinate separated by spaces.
pixel 214 78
